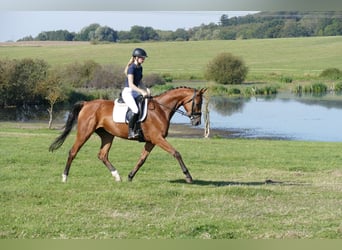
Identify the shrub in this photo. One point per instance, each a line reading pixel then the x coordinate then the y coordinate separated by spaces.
pixel 316 89
pixel 218 90
pixel 158 89
pixel 108 76
pixel 338 87
pixel 167 77
pixel 153 79
pixel 286 79
pixel 80 74
pixel 234 91
pixel 331 73
pixel 266 90
pixel 319 88
pixel 226 68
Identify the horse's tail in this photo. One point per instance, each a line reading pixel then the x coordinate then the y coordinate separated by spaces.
pixel 73 115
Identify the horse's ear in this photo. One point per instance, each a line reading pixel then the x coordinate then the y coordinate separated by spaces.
pixel 203 90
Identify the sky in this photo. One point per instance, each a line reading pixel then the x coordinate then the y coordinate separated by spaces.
pixel 18 24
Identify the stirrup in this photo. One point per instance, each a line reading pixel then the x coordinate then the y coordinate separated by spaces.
pixel 132 134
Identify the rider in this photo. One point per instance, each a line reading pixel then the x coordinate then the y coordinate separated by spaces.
pixel 134 87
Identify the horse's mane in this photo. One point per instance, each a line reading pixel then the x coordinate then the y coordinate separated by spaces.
pixel 179 87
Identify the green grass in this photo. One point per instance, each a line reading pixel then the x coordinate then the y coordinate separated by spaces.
pixel 230 197
pixel 267 59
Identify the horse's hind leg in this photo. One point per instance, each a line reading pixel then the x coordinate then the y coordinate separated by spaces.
pixel 72 154
pixel 106 144
pixel 146 151
pixel 83 134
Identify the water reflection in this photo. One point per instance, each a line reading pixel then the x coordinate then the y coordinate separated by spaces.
pixel 282 117
pixel 30 113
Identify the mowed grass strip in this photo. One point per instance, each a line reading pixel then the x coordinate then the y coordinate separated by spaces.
pixel 243 189
pixel 299 58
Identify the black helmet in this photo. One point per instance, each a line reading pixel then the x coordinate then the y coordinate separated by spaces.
pixel 139 53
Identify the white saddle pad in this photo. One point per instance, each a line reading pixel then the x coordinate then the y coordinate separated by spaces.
pixel 120 110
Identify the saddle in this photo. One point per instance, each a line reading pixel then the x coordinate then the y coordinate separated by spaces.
pixel 122 113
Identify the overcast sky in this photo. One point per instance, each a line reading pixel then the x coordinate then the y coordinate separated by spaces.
pixel 18 24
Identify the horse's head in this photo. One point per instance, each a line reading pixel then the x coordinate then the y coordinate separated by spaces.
pixel 193 106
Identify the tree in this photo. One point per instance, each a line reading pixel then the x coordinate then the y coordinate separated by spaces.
pixel 87 33
pixel 105 33
pixel 224 20
pixel 53 91
pixel 6 71
pixel 143 33
pixel 181 35
pixel 26 74
pixel 58 35
pixel 226 68
pixel 137 32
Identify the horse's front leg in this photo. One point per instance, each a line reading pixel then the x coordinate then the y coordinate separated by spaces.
pixel 167 147
pixel 178 156
pixel 106 144
pixel 145 153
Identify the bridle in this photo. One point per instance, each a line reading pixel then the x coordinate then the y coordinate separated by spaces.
pixel 192 115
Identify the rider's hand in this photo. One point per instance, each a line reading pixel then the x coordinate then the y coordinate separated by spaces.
pixel 146 93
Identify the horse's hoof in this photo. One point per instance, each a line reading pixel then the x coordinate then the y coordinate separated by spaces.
pixel 116 176
pixel 188 180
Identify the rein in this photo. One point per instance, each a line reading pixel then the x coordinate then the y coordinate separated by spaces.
pixel 191 116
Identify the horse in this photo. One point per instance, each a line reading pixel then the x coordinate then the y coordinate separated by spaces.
pixel 97 116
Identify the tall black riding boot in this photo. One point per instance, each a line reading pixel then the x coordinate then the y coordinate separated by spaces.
pixel 132 134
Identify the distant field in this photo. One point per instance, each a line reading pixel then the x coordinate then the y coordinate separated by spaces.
pixel 300 58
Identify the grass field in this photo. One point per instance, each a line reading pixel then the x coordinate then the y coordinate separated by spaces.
pixel 243 189
pixel 267 59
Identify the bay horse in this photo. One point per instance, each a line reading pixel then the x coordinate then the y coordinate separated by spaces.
pixel 97 116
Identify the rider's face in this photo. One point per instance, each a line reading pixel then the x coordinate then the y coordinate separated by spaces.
pixel 140 60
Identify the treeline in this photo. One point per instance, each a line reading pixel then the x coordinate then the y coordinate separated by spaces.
pixel 260 25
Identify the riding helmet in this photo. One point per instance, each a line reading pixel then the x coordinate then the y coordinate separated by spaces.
pixel 139 52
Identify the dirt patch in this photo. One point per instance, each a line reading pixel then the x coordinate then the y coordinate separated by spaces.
pixel 187 131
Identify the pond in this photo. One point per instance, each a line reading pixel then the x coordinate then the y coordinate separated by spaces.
pixel 284 116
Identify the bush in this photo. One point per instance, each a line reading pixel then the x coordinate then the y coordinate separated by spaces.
pixel 80 74
pixel 234 91
pixel 319 88
pixel 226 68
pixel 158 89
pixel 286 79
pixel 338 87
pixel 108 76
pixel 218 90
pixel 331 73
pixel 167 77
pixel 19 80
pixel 266 90
pixel 315 89
pixel 153 79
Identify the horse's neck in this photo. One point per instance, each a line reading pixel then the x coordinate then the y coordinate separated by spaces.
pixel 172 99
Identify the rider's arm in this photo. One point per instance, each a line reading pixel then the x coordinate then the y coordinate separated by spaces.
pixel 133 87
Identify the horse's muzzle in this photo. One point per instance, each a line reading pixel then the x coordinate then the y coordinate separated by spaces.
pixel 195 121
